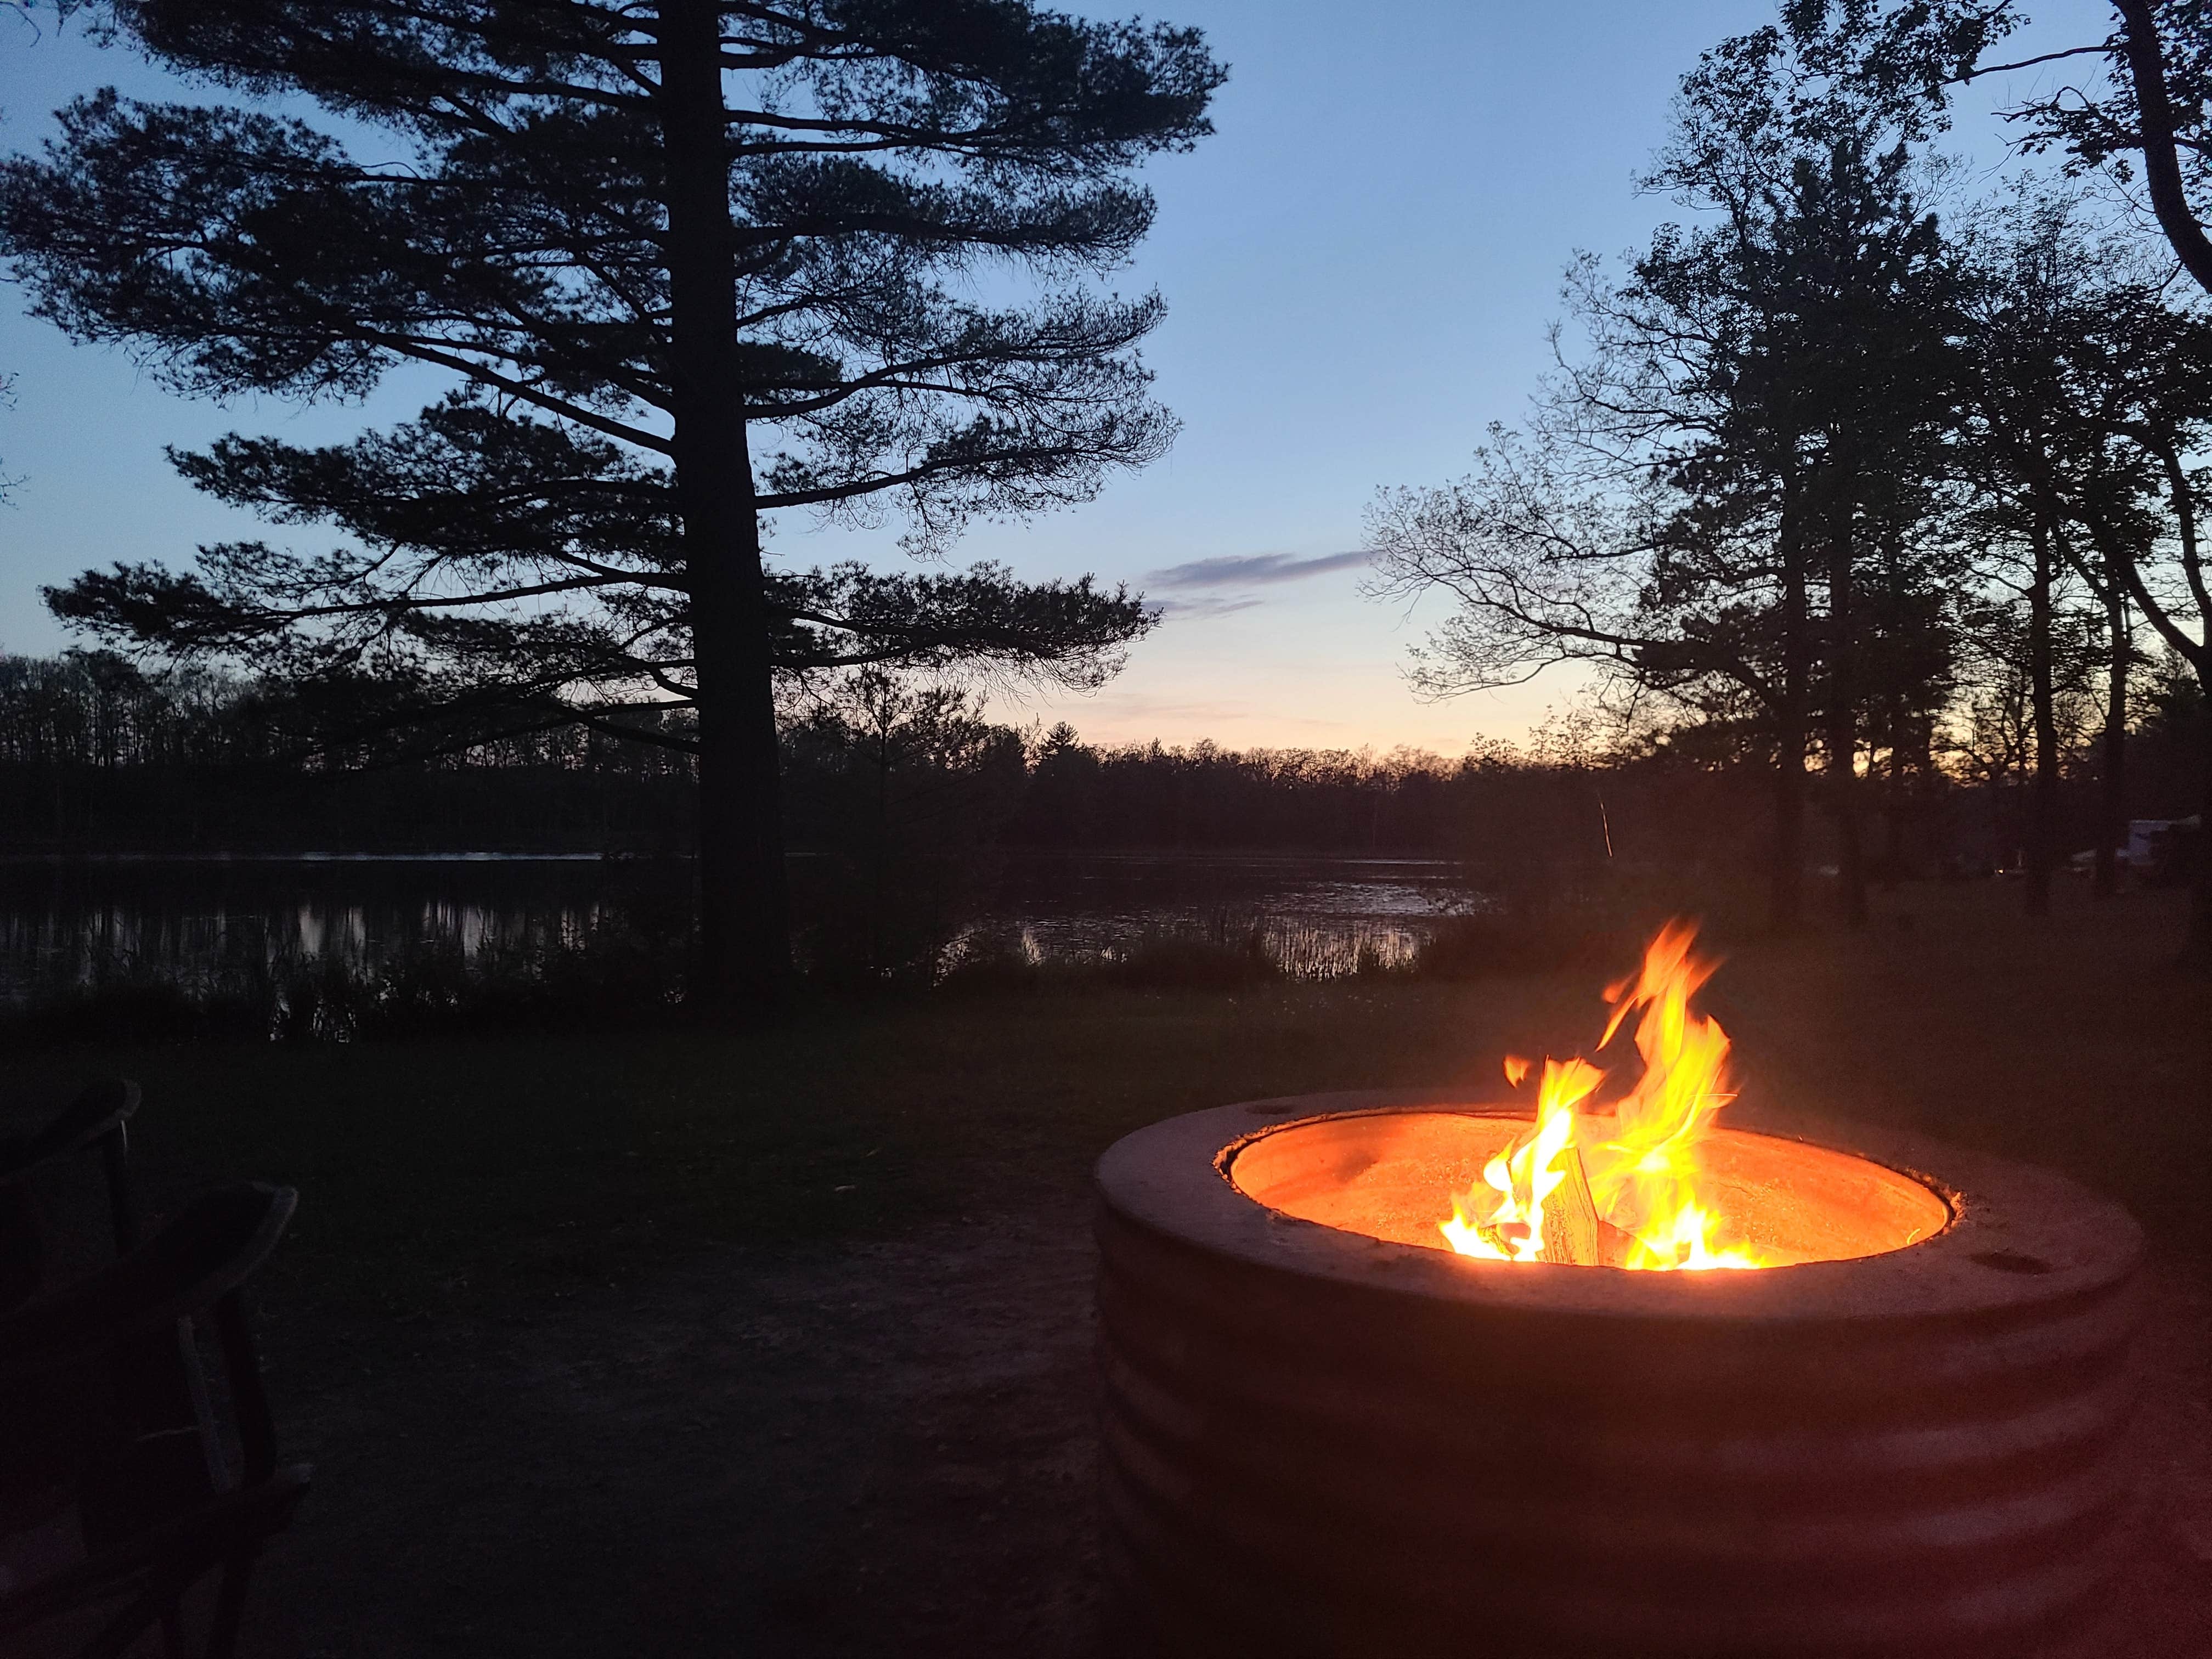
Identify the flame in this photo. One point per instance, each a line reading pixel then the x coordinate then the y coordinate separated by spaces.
pixel 1637 1162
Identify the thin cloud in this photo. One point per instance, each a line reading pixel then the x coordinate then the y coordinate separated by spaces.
pixel 1206 605
pixel 1242 569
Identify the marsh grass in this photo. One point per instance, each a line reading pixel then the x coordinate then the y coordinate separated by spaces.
pixel 600 979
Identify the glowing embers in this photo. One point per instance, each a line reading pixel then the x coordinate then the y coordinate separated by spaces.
pixel 1647 1180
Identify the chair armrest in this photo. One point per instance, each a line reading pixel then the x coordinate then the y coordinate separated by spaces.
pixel 98 1109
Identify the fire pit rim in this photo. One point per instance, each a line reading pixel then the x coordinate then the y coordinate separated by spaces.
pixel 2018 1236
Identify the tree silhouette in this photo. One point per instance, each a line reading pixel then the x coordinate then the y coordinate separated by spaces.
pixel 1724 498
pixel 2141 116
pixel 695 263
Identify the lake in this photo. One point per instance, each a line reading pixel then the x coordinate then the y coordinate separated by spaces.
pixel 71 919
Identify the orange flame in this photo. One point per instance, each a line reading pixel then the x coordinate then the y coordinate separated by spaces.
pixel 1638 1160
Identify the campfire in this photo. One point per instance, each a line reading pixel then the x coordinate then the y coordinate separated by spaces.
pixel 1627 1184
pixel 1342 1335
pixel 1644 1179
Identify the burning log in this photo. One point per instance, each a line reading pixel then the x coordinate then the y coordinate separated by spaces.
pixel 1505 1237
pixel 1571 1221
pixel 1574 1234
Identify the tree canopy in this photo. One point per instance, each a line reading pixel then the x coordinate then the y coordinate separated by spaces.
pixel 1723 497
pixel 694 265
pixel 1828 474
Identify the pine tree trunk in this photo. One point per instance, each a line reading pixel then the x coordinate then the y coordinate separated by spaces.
pixel 744 945
pixel 2043 803
pixel 1843 726
pixel 1785 909
pixel 2112 784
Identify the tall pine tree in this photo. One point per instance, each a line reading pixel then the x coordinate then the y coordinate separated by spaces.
pixel 693 264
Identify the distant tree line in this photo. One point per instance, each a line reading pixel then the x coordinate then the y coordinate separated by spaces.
pixel 99 754
pixel 900 792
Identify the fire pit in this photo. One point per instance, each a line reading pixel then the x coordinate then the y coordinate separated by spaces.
pixel 1329 1432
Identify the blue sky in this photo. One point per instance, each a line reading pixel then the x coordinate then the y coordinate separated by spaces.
pixel 1360 268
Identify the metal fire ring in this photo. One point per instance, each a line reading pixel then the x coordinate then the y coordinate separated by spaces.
pixel 1323 1443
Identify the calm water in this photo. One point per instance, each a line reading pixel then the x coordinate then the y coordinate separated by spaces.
pixel 192 918
pixel 1315 916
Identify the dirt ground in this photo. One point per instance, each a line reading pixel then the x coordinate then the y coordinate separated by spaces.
pixel 881 1449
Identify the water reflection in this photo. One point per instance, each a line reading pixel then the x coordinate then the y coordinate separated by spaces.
pixel 194 919
pixel 1302 947
pixel 191 920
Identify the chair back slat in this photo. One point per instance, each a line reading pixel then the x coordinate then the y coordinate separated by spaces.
pixel 158 1509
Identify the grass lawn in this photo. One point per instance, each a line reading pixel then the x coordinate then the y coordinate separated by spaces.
pixel 685 1343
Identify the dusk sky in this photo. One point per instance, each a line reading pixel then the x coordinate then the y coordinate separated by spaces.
pixel 1360 268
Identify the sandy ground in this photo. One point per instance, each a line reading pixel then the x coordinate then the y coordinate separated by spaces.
pixel 879 1449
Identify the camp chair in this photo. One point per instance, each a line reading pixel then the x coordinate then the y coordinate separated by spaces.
pixel 99 1115
pixel 156 1377
pixel 146 1543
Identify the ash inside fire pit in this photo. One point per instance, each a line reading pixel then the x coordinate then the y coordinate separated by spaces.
pixel 1383 1175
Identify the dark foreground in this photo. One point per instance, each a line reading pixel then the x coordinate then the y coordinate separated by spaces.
pixel 782 1344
